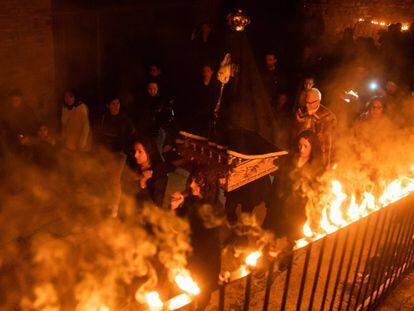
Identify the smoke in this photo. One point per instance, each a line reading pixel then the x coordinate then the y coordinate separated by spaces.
pixel 61 250
pixel 369 155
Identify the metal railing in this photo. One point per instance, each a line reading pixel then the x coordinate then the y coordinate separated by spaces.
pixel 351 269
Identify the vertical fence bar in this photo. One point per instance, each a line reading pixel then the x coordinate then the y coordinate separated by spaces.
pixel 360 255
pixel 381 216
pixel 331 262
pixel 316 278
pixel 247 292
pixel 405 254
pixel 411 256
pixel 348 269
pixel 287 281
pixel 387 245
pixel 374 267
pixel 269 282
pixel 222 295
pixel 392 259
pixel 303 281
pixel 386 251
pixel 338 275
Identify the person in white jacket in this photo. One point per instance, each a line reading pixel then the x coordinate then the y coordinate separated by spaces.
pixel 75 124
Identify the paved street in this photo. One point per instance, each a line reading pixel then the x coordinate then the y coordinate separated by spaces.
pixel 402 298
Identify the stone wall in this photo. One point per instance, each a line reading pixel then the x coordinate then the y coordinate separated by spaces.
pixel 26 52
pixel 339 14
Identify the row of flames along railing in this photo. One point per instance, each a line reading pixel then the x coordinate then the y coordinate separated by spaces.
pixel 352 268
pixel 357 253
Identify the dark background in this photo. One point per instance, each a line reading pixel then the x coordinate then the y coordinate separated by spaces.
pixel 103 46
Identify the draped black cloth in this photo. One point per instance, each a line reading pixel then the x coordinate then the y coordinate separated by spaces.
pixel 246 122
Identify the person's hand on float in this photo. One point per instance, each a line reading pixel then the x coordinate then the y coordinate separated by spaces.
pixel 176 200
pixel 145 176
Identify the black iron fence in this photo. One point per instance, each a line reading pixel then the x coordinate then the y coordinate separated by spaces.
pixel 351 269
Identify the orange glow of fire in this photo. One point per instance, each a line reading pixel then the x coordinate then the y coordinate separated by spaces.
pixel 186 283
pixel 154 301
pixel 252 258
pixel 93 303
pixel 100 308
pixel 178 302
pixel 335 210
pixel 405 26
pixel 243 271
pixel 343 209
pixel 307 230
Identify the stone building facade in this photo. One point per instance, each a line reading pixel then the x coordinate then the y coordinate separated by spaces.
pixel 47 46
pixel 339 14
pixel 26 52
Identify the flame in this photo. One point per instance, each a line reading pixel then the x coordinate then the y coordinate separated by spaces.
pixel 252 258
pixel 335 210
pixel 243 271
pixel 186 283
pixel 154 302
pixel 405 25
pixel 301 243
pixel 325 223
pixel 307 230
pixel 353 211
pixel 179 301
pixel 337 214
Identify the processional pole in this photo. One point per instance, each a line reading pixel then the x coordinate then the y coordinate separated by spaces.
pixel 237 21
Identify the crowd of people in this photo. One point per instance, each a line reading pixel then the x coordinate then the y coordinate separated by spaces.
pixel 309 105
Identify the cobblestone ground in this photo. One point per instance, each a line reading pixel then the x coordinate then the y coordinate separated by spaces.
pixel 402 297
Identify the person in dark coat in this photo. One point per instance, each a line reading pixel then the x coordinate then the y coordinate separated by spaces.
pixel 19 123
pixel 114 136
pixel 203 101
pixel 200 205
pixel 155 74
pixel 157 115
pixel 149 176
pixel 273 79
pixel 296 176
pixel 115 132
pixel 204 47
pixel 44 147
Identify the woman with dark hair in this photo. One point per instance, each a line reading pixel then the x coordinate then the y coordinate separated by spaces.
pixel 293 180
pixel 200 205
pixel 150 173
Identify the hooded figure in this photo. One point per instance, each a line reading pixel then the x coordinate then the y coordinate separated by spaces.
pixel 245 120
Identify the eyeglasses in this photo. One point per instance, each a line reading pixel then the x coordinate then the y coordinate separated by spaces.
pixel 312 102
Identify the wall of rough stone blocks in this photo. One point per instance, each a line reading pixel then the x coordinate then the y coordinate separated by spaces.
pixel 339 14
pixel 26 52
